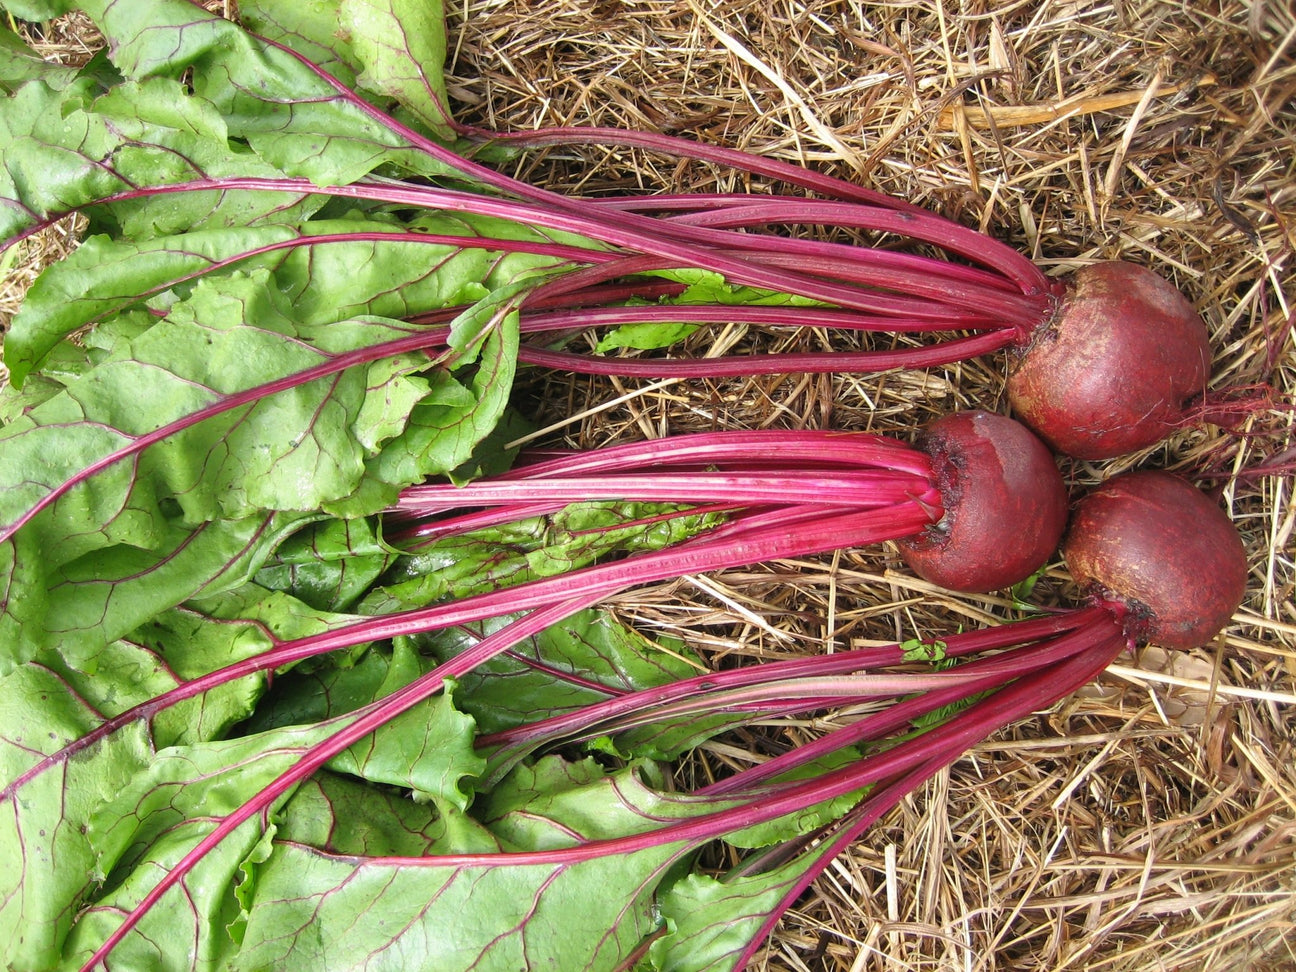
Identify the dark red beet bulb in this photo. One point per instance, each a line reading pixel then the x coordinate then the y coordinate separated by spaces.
pixel 1163 549
pixel 1115 367
pixel 1005 504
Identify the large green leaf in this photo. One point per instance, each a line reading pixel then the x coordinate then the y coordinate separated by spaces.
pixel 427 750
pixel 578 662
pixel 328 565
pixel 38 9
pixel 290 115
pixel 711 921
pixel 106 594
pixel 321 272
pixel 313 908
pixel 51 866
pixel 19 64
pixel 444 428
pixel 104 276
pixel 66 145
pixel 55 774
pixel 402 45
pixel 199 493
pixel 155 820
pixel 309 27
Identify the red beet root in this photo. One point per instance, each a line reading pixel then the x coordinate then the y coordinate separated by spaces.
pixel 1153 542
pixel 1113 370
pixel 1006 505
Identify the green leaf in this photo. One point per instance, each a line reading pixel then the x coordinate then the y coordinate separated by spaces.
pixel 166 136
pixel 646 336
pixel 104 276
pixel 309 27
pixel 64 146
pixel 445 427
pixel 314 909
pixel 711 921
pixel 291 116
pixel 307 908
pixel 19 64
pixel 402 45
pixel 918 650
pixel 195 937
pixel 52 150
pixel 410 274
pixel 158 817
pixel 322 272
pixel 394 389
pixel 1021 591
pixel 288 452
pixel 669 739
pixel 51 866
pixel 38 10
pixel 562 669
pixel 427 750
pixel 378 821
pixel 45 706
pixel 69 361
pixel 80 606
pixel 107 594
pixel 704 287
pixel 525 549
pixel 582 660
pixel 296 450
pixel 328 565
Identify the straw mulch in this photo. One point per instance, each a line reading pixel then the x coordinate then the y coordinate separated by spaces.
pixel 1149 824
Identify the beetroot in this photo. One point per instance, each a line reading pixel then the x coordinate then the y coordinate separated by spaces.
pixel 1160 548
pixel 977 504
pixel 1113 369
pixel 1005 504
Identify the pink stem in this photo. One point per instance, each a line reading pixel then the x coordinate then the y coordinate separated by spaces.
pixel 574 254
pixel 989 672
pixel 335 363
pixel 842 662
pixel 642 235
pixel 580 318
pixel 1086 668
pixel 865 489
pixel 686 148
pixel 755 539
pixel 763 446
pixel 1033 691
pixel 950 236
pixel 730 366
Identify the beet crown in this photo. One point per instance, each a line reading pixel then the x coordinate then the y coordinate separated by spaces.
pixel 1005 504
pixel 1163 549
pixel 1115 367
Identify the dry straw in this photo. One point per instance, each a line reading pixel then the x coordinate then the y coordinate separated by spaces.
pixel 1149 823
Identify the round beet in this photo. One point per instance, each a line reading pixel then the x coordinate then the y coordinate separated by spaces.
pixel 1005 504
pixel 1114 368
pixel 1158 545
